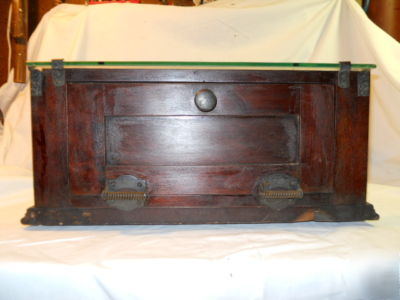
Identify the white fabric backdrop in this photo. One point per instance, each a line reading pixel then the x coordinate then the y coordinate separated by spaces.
pixel 226 30
pixel 268 261
pixel 253 30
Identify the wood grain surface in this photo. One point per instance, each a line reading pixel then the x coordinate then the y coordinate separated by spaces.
pixel 199 167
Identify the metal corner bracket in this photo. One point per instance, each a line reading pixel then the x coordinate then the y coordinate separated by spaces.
pixel 344 74
pixel 58 72
pixel 363 83
pixel 36 82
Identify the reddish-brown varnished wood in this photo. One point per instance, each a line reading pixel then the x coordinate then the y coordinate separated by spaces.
pixel 202 180
pixel 86 148
pixel 351 114
pixel 205 140
pixel 317 137
pixel 199 167
pixel 50 140
pixel 199 76
pixel 165 99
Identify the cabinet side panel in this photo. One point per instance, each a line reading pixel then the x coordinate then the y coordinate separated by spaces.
pixel 317 137
pixel 86 138
pixel 352 113
pixel 49 123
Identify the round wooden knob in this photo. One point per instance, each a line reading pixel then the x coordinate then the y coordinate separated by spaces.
pixel 205 100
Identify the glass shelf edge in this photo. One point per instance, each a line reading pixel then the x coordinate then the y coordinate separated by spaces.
pixel 188 64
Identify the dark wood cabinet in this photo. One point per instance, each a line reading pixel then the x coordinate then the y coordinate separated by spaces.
pixel 199 145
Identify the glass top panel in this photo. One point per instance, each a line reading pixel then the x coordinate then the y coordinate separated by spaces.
pixel 200 64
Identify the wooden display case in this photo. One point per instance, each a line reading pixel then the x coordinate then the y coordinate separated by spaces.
pixel 189 143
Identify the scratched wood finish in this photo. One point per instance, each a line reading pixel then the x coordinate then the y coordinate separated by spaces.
pixel 202 180
pixel 177 99
pixel 165 200
pixel 196 215
pixel 199 76
pixel 50 143
pixel 206 140
pixel 351 114
pixel 318 150
pixel 86 149
pixel 199 167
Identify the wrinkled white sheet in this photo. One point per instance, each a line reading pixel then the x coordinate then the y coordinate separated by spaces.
pixel 225 30
pixel 358 260
pixel 277 261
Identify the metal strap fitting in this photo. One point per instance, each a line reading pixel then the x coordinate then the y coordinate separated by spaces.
pixel 36 82
pixel 344 74
pixel 363 83
pixel 58 72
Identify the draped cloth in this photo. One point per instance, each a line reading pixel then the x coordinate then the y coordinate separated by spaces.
pixel 226 30
pixel 358 260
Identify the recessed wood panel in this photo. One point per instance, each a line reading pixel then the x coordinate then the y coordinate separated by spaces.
pixel 178 99
pixel 201 180
pixel 203 140
pixel 351 115
pixel 317 137
pixel 86 149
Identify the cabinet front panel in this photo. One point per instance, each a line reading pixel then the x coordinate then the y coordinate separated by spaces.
pixel 155 132
pixel 201 140
pixel 201 180
pixel 178 99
